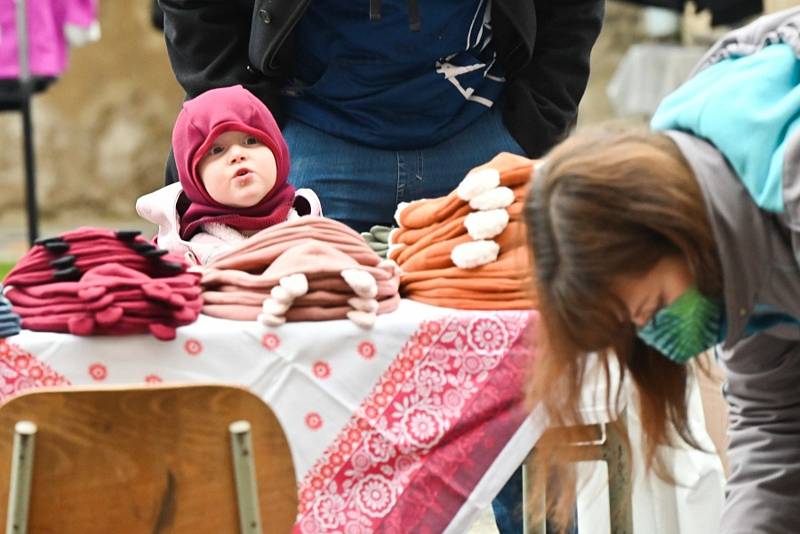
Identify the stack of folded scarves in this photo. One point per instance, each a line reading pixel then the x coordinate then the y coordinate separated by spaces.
pixel 307 269
pixel 9 321
pixel 95 281
pixel 378 239
pixel 468 249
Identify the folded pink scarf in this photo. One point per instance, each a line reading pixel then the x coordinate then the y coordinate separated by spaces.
pixel 316 249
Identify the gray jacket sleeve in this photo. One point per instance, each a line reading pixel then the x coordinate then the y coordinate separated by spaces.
pixel 749 39
pixel 763 393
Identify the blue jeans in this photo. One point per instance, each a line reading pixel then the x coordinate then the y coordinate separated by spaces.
pixel 507 508
pixel 361 186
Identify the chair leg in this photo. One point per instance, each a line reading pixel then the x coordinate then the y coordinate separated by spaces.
pixel 529 508
pixel 21 470
pixel 608 447
pixel 620 486
pixel 244 471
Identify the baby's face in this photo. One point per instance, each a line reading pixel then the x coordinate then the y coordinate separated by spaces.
pixel 238 170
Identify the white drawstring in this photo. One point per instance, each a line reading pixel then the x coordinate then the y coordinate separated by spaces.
pixel 374 9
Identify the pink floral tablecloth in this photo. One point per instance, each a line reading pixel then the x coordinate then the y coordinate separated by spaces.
pixel 412 426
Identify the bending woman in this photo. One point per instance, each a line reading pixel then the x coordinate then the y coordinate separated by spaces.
pixel 653 247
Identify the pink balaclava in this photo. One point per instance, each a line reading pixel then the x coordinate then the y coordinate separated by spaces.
pixel 199 123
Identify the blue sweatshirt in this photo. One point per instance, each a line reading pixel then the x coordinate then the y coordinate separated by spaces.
pixel 382 84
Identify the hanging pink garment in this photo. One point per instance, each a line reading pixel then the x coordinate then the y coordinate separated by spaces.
pixel 49 24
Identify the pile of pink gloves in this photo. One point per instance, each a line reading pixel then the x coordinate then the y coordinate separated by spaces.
pixel 307 269
pixel 94 281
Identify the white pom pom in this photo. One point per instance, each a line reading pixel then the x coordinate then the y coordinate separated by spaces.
pixel 275 307
pixel 362 283
pixel 364 305
pixel 295 284
pixel 280 294
pixel 398 210
pixel 474 254
pixel 501 197
pixel 271 320
pixel 477 182
pixel 486 224
pixel 390 266
pixel 362 319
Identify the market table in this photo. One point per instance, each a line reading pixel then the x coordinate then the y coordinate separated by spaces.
pixel 412 426
pixel 397 428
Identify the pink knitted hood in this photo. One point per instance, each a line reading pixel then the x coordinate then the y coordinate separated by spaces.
pixel 199 123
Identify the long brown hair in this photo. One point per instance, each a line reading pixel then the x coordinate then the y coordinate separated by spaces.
pixel 608 204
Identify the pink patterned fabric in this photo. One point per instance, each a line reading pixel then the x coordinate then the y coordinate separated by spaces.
pixel 418 445
pixel 47 45
pixel 21 370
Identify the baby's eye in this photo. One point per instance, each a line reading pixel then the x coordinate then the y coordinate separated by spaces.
pixel 251 140
pixel 214 150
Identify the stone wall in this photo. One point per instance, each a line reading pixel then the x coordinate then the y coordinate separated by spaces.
pixel 776 5
pixel 620 30
pixel 101 131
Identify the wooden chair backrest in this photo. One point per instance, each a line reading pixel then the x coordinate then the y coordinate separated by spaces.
pixel 146 460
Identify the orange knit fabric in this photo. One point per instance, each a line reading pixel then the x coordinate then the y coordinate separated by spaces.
pixel 429 231
pixel 512 265
pixel 514 170
pixel 455 225
pixel 437 255
pixel 469 303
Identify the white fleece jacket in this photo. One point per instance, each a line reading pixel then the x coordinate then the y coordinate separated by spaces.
pixel 161 208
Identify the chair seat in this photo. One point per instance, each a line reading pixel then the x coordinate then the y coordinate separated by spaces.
pixel 146 459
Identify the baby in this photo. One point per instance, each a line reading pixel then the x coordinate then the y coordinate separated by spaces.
pixel 233 165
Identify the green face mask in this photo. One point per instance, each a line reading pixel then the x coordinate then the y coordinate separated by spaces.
pixel 685 328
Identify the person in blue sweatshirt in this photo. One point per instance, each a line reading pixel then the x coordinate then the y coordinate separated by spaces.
pixel 389 101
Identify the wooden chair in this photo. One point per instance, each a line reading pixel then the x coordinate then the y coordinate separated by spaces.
pixel 605 444
pixel 144 459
